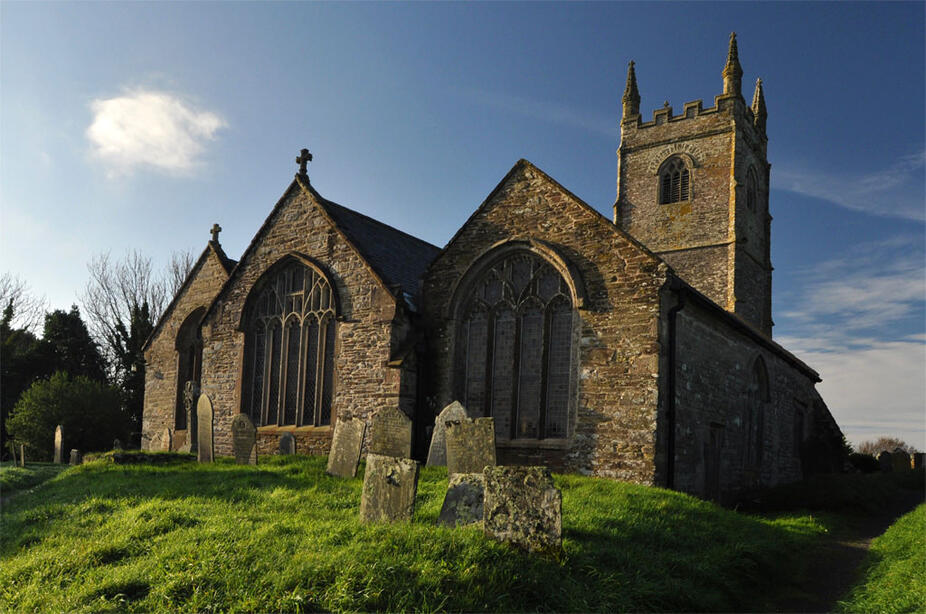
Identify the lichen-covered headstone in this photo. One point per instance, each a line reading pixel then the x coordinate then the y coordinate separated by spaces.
pixel 76 457
pixel 470 445
pixel 391 433
pixel 389 487
pixel 244 440
pixel 167 439
pixel 887 463
pixel 59 445
pixel 205 451
pixel 900 460
pixel 345 447
pixel 437 452
pixel 287 443
pixel 463 503
pixel 523 507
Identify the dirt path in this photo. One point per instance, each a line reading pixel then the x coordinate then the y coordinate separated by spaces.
pixel 837 563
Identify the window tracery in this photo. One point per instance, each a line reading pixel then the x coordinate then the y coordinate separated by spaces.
pixel 674 181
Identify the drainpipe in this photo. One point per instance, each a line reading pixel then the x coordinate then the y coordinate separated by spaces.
pixel 670 384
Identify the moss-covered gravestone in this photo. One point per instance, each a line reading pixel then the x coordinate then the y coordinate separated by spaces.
pixel 59 445
pixel 470 445
pixel 244 440
pixel 391 433
pixel 463 503
pixel 437 452
pixel 522 507
pixel 287 443
pixel 205 452
pixel 389 487
pixel 345 447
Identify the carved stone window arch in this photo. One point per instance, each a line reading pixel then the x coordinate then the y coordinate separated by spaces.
pixel 290 337
pixel 759 399
pixel 674 181
pixel 515 345
pixel 189 346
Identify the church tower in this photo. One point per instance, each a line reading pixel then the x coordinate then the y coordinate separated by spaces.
pixel 693 187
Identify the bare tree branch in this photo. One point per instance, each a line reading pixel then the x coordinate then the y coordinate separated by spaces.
pixel 28 309
pixel 180 265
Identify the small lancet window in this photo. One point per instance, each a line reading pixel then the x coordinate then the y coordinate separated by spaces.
pixel 674 181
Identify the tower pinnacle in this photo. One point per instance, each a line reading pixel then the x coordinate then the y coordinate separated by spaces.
pixel 759 112
pixel 631 98
pixel 733 72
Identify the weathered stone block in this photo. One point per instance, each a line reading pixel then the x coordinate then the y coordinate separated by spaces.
pixel 470 445
pixel 391 433
pixel 345 447
pixel 76 457
pixel 437 452
pixel 389 488
pixel 523 507
pixel 463 503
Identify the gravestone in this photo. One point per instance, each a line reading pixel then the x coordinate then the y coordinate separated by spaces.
pixel 287 443
pixel 900 460
pixel 345 447
pixel 244 440
pixel 117 444
pixel 59 445
pixel 523 507
pixel 470 445
pixel 76 457
pixel 167 439
pixel 190 399
pixel 887 464
pixel 464 500
pixel 437 452
pixel 918 458
pixel 389 487
pixel 391 433
pixel 204 444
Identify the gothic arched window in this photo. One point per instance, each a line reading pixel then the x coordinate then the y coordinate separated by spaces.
pixel 752 190
pixel 759 398
pixel 189 347
pixel 290 332
pixel 515 347
pixel 674 181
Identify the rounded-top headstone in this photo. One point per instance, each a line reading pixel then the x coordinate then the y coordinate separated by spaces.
pixel 244 440
pixel 204 442
pixel 59 445
pixel 287 443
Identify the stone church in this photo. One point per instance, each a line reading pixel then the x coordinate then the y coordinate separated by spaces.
pixel 638 349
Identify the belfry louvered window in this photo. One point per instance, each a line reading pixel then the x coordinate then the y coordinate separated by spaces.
pixel 289 348
pixel 674 181
pixel 515 348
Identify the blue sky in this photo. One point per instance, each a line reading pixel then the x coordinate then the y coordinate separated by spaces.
pixel 137 125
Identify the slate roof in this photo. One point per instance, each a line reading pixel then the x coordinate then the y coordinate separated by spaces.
pixel 399 258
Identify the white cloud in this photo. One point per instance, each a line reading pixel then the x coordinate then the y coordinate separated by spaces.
pixel 149 128
pixel 896 191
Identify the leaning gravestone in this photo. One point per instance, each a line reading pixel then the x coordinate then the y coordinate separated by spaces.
pixel 437 453
pixel 167 439
pixel 887 464
pixel 523 507
pixel 345 447
pixel 287 443
pixel 76 457
pixel 204 442
pixel 470 445
pixel 389 487
pixel 244 440
pixel 59 445
pixel 463 502
pixel 391 433
pixel 900 460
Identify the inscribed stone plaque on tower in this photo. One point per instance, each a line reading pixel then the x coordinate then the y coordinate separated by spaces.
pixel 389 487
pixel 345 447
pixel 59 443
pixel 76 457
pixel 887 464
pixel 167 439
pixel 391 433
pixel 523 507
pixel 463 502
pixel 437 452
pixel 244 440
pixel 287 443
pixel 204 442
pixel 470 445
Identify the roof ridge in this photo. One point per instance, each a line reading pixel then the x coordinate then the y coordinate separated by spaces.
pixel 326 201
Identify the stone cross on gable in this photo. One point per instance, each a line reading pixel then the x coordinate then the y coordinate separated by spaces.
pixel 216 229
pixel 304 158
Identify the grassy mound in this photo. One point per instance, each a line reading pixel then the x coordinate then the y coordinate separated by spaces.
pixel 284 536
pixel 895 579
pixel 14 479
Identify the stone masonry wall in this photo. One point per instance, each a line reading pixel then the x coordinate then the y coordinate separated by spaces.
pixel 713 377
pixel 618 349
pixel 161 355
pixel 363 381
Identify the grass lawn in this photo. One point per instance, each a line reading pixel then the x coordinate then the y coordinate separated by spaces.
pixel 895 577
pixel 284 536
pixel 14 479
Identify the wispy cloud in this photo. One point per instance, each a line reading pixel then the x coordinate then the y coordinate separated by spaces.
pixel 545 111
pixel 150 128
pixel 896 191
